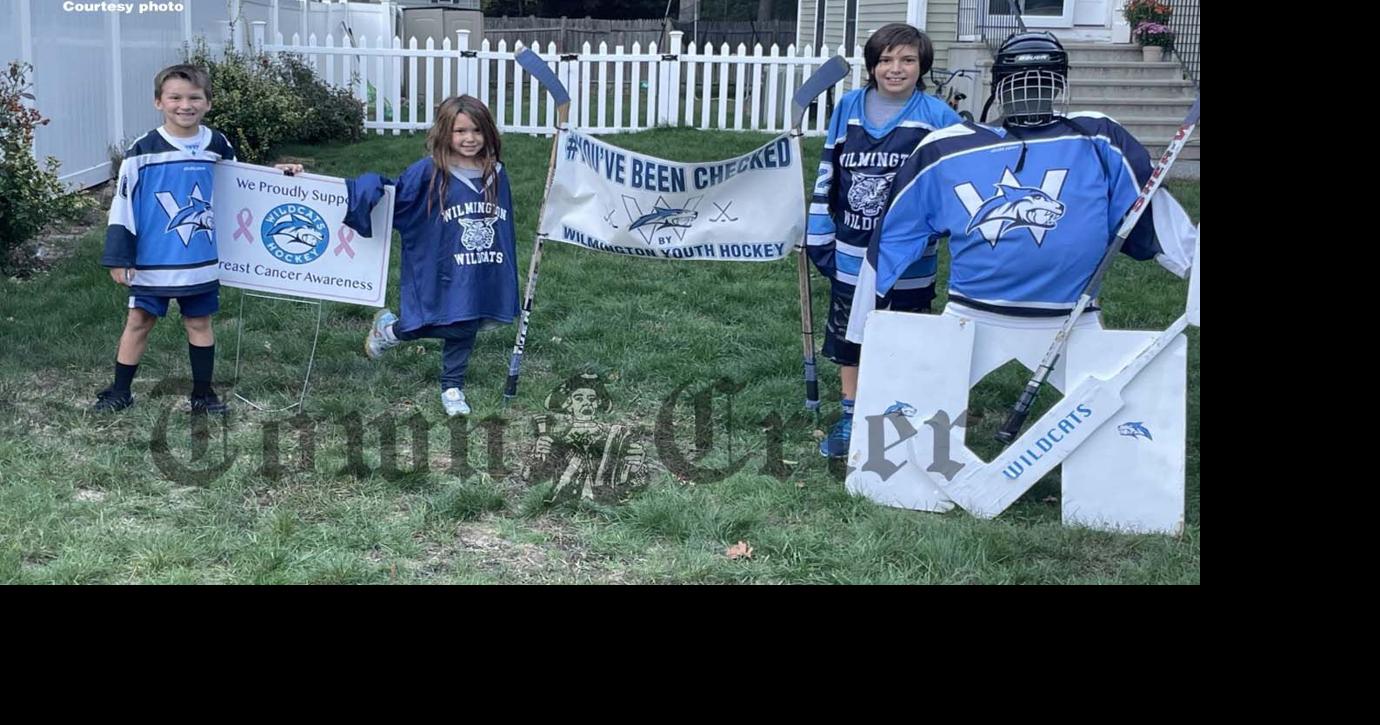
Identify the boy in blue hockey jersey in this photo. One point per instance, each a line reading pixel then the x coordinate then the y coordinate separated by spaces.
pixel 873 131
pixel 1029 207
pixel 454 211
pixel 160 241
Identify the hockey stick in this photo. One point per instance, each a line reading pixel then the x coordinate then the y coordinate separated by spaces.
pixel 833 71
pixel 534 65
pixel 1008 432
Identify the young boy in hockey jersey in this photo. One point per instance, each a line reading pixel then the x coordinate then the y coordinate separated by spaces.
pixel 873 130
pixel 160 241
pixel 1029 206
pixel 454 210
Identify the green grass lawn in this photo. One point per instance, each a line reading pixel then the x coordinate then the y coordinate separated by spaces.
pixel 145 496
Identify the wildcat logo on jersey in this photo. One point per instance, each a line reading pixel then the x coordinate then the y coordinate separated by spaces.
pixel 478 234
pixel 1134 429
pixel 651 223
pixel 294 233
pixel 190 219
pixel 868 192
pixel 1015 206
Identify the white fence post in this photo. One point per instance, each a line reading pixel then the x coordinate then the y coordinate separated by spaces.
pixel 739 82
pixel 617 121
pixel 671 88
pixel 463 81
pixel 117 96
pixel 395 84
pixel 236 26
pixel 186 22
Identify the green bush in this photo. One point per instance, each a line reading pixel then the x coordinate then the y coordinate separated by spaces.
pixel 260 102
pixel 31 196
pixel 332 113
pixel 249 102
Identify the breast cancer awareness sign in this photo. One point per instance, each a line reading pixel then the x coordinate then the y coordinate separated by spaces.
pixel 289 225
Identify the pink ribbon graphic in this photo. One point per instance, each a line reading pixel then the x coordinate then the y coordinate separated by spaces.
pixel 345 235
pixel 244 218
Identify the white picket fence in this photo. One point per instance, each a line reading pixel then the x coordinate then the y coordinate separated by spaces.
pixel 93 71
pixel 697 87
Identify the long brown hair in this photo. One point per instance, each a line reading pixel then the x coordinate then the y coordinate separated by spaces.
pixel 443 157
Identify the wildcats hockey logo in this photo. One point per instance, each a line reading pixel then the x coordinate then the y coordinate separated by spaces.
pixel 660 218
pixel 868 193
pixel 187 220
pixel 1015 206
pixel 1134 429
pixel 478 234
pixel 294 233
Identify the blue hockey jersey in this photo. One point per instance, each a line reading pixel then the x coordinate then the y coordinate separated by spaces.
pixel 856 173
pixel 1028 212
pixel 459 259
pixel 160 217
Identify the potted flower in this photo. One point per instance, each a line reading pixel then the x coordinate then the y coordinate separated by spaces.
pixel 1154 13
pixel 1146 11
pixel 1154 39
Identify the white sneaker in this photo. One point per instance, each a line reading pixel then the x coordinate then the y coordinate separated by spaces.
pixel 376 342
pixel 453 400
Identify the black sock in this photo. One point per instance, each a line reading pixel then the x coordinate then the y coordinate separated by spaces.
pixel 203 365
pixel 124 375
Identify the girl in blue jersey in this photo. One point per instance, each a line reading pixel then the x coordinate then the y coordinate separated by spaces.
pixel 454 211
pixel 873 130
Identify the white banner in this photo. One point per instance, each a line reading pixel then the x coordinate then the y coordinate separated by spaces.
pixel 286 235
pixel 749 208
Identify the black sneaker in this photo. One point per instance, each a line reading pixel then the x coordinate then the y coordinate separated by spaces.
pixel 208 403
pixel 111 400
